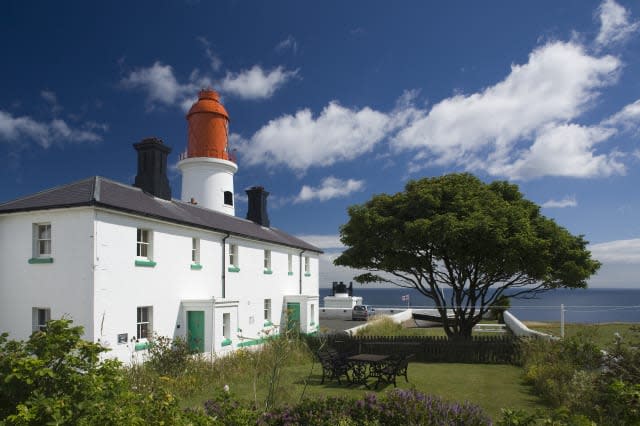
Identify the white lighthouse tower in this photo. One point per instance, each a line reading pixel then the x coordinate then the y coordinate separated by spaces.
pixel 207 170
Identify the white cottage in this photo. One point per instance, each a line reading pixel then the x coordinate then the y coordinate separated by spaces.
pixel 127 262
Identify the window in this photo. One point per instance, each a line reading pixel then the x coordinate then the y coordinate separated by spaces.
pixel 267 260
pixel 307 266
pixel 226 326
pixel 228 198
pixel 40 316
pixel 42 240
pixel 313 314
pixel 144 246
pixel 234 260
pixel 233 255
pixel 290 264
pixel 267 310
pixel 144 322
pixel 195 250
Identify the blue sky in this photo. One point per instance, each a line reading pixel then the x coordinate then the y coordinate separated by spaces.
pixel 331 102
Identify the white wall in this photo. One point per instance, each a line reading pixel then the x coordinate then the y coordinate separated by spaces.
pixel 65 286
pixel 100 286
pixel 252 286
pixel 121 286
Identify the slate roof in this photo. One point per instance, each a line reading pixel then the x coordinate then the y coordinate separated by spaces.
pixel 101 192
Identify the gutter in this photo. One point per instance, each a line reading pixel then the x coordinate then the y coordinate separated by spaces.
pixel 224 272
pixel 300 273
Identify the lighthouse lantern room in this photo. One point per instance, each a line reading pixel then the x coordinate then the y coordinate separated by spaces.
pixel 207 170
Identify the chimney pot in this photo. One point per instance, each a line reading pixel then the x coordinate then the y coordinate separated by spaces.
pixel 257 209
pixel 152 167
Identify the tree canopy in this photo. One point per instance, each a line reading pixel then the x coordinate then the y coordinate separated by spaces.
pixel 480 240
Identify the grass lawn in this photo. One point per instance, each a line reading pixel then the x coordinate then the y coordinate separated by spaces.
pixel 490 386
pixel 603 334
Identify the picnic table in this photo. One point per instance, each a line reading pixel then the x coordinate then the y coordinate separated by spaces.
pixel 364 366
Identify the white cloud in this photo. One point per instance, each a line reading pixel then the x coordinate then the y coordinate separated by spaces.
pixel 564 150
pixel 323 242
pixel 480 131
pixel 561 204
pixel 330 187
pixel 52 100
pixel 214 60
pixel 21 129
pixel 615 25
pixel 286 44
pixel 255 83
pixel 161 86
pixel 620 251
pixel 628 118
pixel 301 141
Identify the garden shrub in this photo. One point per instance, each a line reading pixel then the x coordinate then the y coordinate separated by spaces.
pixel 384 326
pixel 397 407
pixel 551 367
pixel 225 410
pixel 55 377
pixel 168 357
pixel 586 385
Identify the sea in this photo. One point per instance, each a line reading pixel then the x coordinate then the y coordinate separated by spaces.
pixel 593 305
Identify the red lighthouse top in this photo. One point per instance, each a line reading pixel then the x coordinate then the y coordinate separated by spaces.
pixel 208 127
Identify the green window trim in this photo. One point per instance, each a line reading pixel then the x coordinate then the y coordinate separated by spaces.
pixel 233 269
pixel 225 342
pixel 268 323
pixel 36 260
pixel 251 342
pixel 196 266
pixel 267 272
pixel 146 263
pixel 307 274
pixel 141 346
pixel 290 274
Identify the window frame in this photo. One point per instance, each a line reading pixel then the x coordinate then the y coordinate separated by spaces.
pixel 267 310
pixel 234 260
pixel 144 328
pixel 144 243
pixel 39 238
pixel 267 260
pixel 36 319
pixel 290 264
pixel 195 250
pixel 226 325
pixel 307 265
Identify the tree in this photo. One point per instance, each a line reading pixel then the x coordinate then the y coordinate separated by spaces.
pixel 482 241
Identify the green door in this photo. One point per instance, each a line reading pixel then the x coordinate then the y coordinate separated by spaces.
pixel 293 316
pixel 195 326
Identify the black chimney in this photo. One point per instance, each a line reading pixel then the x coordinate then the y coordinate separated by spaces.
pixel 257 210
pixel 152 167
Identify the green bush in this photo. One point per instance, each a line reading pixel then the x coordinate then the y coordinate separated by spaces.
pixel 168 357
pixel 397 407
pixel 57 378
pixel 584 384
pixel 554 368
pixel 384 326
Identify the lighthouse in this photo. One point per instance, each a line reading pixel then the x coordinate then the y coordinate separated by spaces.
pixel 207 170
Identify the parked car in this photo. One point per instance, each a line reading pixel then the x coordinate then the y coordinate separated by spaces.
pixel 362 312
